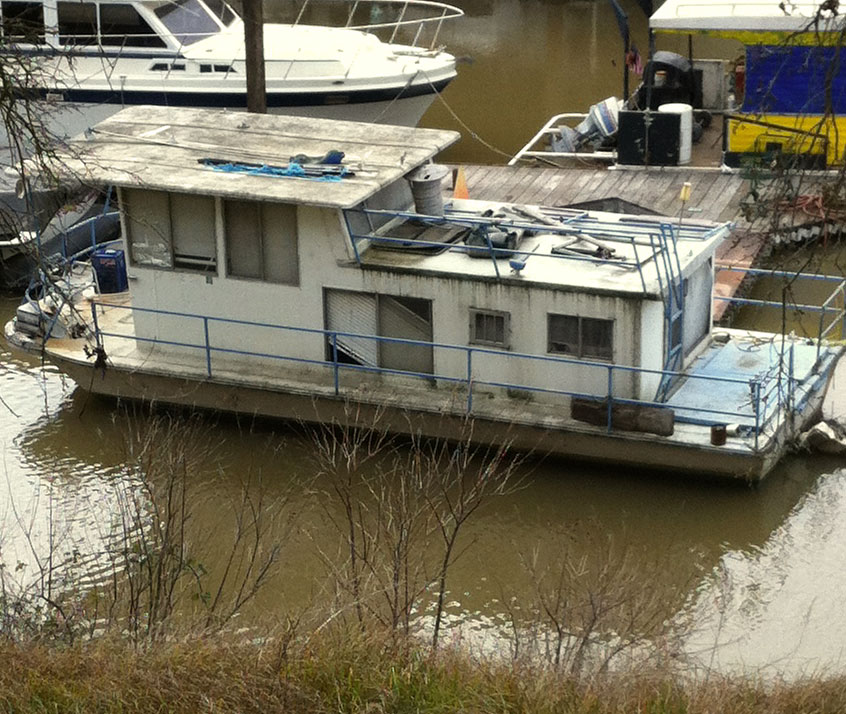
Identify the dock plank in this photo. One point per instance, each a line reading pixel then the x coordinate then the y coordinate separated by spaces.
pixel 717 194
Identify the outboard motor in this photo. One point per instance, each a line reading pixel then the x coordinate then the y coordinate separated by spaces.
pixel 600 124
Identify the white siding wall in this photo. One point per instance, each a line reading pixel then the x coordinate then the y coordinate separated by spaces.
pixel 325 262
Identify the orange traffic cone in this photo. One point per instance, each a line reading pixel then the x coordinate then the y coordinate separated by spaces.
pixel 460 188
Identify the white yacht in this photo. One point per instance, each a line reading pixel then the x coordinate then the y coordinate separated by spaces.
pixel 96 57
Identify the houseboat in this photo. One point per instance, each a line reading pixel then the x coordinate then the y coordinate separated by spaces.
pixel 314 271
pixel 781 96
pixel 94 58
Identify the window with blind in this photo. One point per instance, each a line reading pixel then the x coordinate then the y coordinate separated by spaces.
pixel 261 241
pixel 170 230
pixel 583 337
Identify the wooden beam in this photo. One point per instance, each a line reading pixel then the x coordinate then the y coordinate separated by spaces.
pixel 254 55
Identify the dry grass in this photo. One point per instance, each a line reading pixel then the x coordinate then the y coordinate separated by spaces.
pixel 345 674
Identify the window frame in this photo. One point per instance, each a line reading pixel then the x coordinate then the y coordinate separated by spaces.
pixel 32 32
pixel 260 238
pixel 579 352
pixel 475 339
pixel 177 262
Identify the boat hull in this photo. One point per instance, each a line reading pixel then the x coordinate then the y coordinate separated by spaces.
pixel 631 450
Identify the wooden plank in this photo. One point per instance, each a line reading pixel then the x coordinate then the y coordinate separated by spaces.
pixel 532 184
pixel 543 193
pixel 577 186
pixel 731 191
pixel 498 181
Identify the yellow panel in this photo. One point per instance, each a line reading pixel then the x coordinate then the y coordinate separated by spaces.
pixel 795 134
pixel 761 37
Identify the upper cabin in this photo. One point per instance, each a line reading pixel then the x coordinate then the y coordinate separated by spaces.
pixel 216 226
pixel 141 26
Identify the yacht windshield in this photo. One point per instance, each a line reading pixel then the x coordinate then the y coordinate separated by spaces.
pixel 222 11
pixel 188 20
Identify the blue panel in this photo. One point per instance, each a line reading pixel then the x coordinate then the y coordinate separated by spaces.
pixel 793 80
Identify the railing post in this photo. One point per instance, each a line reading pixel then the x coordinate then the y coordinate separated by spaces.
pixel 335 363
pixel 469 380
pixel 208 346
pixel 790 389
pixel 756 401
pixel 843 312
pixel 98 340
pixel 610 396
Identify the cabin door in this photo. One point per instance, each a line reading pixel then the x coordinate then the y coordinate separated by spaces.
pixel 352 312
pixel 388 316
pixel 407 319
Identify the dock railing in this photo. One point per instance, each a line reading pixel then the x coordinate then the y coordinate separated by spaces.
pixel 765 396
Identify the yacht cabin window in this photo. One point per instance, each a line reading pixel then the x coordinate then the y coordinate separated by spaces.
pixel 170 230
pixel 221 11
pixel 121 25
pixel 188 20
pixel 581 337
pixel 261 241
pixel 22 21
pixel 77 23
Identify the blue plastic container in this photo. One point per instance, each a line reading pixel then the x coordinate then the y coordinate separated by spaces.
pixel 110 267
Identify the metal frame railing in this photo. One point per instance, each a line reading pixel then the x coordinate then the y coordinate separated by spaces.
pixel 826 308
pixel 657 239
pixel 546 155
pixel 760 409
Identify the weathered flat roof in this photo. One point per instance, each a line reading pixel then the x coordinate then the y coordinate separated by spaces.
pixel 743 15
pixel 638 267
pixel 162 148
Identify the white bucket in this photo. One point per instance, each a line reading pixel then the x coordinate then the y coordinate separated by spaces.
pixel 426 189
pixel 685 128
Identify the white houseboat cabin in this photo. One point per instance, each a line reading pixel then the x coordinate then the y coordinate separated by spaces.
pixel 280 267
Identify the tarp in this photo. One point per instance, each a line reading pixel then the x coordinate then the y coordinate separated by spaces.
pixel 793 80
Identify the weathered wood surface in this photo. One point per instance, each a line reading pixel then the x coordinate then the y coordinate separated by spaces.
pixel 714 196
pixel 627 417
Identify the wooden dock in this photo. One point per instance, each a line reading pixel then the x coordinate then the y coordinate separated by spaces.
pixel 714 196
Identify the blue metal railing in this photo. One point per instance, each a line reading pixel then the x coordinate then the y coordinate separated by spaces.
pixel 826 308
pixel 632 231
pixel 759 411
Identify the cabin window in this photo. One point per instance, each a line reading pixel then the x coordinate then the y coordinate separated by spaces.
pixel 23 21
pixel 121 25
pixel 490 327
pixel 170 230
pixel 261 241
pixel 187 20
pixel 221 11
pixel 77 23
pixel 396 317
pixel 167 67
pixel 582 337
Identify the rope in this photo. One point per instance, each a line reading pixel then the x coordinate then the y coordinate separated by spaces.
pixel 462 123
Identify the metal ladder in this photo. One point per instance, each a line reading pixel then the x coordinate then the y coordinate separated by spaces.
pixel 668 269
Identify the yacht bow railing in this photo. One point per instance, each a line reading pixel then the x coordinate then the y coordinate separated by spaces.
pixel 416 15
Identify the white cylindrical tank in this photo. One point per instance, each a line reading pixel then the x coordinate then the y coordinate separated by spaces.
pixel 685 128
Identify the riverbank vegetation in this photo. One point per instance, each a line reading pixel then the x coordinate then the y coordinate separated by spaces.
pixel 155 611
pixel 352 674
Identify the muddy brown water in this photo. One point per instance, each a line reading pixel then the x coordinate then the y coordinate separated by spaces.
pixel 765 565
